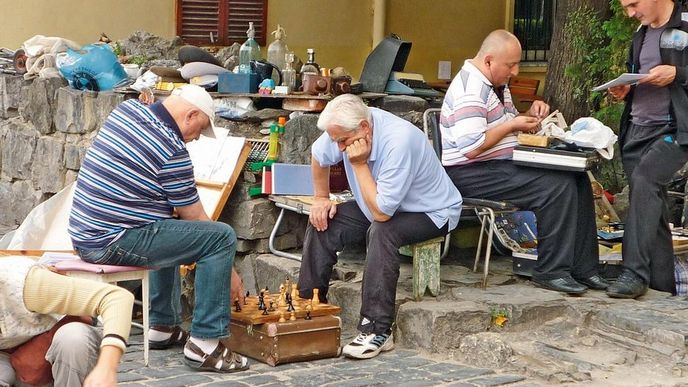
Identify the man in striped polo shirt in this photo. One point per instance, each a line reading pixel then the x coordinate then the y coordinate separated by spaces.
pixel 479 125
pixel 135 175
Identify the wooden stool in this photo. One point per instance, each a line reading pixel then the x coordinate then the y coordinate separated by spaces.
pixel 112 274
pixel 426 266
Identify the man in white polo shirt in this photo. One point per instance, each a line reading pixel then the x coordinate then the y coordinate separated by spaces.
pixel 479 125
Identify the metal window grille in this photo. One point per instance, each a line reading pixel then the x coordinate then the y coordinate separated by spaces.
pixel 533 25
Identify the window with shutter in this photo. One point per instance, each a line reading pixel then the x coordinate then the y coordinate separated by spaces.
pixel 220 22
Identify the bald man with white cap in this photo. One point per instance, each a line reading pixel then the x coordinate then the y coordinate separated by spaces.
pixel 134 177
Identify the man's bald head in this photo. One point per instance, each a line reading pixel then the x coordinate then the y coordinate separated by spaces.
pixel 497 41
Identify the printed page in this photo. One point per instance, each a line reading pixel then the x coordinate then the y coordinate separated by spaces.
pixel 214 159
pixel 623 79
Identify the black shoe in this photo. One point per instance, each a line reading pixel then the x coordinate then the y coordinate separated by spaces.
pixel 628 285
pixel 564 284
pixel 594 282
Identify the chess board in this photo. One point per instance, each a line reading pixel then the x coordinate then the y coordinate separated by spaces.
pixel 251 315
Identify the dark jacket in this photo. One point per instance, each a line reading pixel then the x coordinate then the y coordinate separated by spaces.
pixel 673 51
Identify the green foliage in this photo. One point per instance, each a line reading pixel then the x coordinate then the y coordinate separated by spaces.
pixel 139 60
pixel 601 50
pixel 117 49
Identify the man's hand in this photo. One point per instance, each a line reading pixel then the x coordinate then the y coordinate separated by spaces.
pixel 526 124
pixel 237 289
pixel 359 150
pixel 322 210
pixel 619 92
pixel 661 75
pixel 539 110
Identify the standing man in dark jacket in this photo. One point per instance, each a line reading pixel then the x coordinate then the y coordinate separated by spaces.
pixel 654 140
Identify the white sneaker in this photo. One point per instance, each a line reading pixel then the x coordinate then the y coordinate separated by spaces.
pixel 369 345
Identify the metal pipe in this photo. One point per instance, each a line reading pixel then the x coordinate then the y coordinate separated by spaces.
pixel 379 19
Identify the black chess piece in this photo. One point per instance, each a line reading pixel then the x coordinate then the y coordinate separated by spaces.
pixel 290 305
pixel 246 298
pixel 272 308
pixel 237 306
pixel 265 312
pixel 308 315
pixel 261 301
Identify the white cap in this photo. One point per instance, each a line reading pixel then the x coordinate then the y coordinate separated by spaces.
pixel 200 98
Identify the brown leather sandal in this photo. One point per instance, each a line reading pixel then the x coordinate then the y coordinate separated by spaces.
pixel 178 338
pixel 221 360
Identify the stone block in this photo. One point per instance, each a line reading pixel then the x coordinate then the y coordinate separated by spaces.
pixel 485 349
pixel 244 265
pixel 70 177
pixel 72 156
pixel 10 94
pixel 262 246
pixel 18 141
pixel 401 103
pixel 20 199
pixel 83 111
pixel 439 326
pixel 272 271
pixel 265 114
pixel 299 134
pixel 347 295
pixel 38 103
pixel 48 171
pixel 251 219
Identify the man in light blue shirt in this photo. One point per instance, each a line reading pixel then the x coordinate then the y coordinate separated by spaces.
pixel 402 194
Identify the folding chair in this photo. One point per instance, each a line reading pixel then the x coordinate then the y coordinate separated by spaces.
pixel 484 210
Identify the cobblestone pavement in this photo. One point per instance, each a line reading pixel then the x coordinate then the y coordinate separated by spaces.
pixel 400 367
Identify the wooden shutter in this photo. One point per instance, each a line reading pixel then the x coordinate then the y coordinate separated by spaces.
pixel 240 13
pixel 225 20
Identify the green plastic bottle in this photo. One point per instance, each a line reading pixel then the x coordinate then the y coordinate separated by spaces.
pixel 273 142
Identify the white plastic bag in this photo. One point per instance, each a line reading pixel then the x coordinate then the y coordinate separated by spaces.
pixel 591 133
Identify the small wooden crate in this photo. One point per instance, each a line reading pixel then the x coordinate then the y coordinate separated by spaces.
pixel 533 140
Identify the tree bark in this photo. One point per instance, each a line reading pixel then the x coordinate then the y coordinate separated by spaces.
pixel 558 88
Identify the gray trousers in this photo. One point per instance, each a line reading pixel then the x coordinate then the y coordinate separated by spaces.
pixel 650 160
pixel 72 354
pixel 383 240
pixel 563 205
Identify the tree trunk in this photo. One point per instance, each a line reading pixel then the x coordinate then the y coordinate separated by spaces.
pixel 558 88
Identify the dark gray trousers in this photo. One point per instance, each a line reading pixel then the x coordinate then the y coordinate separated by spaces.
pixel 650 159
pixel 383 240
pixel 563 205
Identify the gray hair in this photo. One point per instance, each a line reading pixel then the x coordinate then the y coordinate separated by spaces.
pixel 346 111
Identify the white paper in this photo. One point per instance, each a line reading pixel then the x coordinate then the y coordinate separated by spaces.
pixel 214 159
pixel 623 79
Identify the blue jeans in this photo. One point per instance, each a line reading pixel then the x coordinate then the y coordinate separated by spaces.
pixel 163 246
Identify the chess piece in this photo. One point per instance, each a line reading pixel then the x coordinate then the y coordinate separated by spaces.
pixel 308 312
pixel 261 301
pixel 246 298
pixel 282 319
pixel 292 317
pixel 280 300
pixel 237 306
pixel 316 297
pixel 294 292
pixel 272 308
pixel 265 312
pixel 290 305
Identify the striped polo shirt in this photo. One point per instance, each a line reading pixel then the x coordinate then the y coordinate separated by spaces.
pixel 134 173
pixel 471 108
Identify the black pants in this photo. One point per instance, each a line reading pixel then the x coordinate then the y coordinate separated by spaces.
pixel 650 159
pixel 383 240
pixel 563 205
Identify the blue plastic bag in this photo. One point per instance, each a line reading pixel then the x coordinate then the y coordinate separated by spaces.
pixel 94 67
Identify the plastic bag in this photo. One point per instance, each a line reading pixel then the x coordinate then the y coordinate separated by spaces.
pixel 94 67
pixel 590 133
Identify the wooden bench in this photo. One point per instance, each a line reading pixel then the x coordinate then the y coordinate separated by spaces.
pixel 524 92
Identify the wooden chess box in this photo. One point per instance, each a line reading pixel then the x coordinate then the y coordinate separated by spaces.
pixel 266 339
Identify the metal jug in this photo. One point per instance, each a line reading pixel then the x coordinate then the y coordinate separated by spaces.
pixel 264 70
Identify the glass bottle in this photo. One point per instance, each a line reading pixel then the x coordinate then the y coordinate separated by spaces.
pixel 278 48
pixel 310 66
pixel 289 74
pixel 249 51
